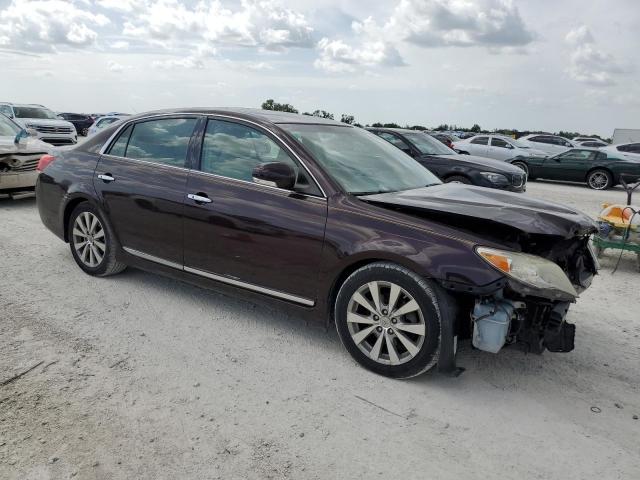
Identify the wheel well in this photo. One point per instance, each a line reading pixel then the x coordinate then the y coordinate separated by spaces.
pixel 613 177
pixel 340 279
pixel 456 174
pixel 67 214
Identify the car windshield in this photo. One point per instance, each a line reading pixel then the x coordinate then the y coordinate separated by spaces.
pixel 34 112
pixel 427 144
pixel 7 127
pixel 361 162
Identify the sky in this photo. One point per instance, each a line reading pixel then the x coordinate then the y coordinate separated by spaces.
pixel 547 65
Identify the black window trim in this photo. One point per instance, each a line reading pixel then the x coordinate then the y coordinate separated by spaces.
pixel 196 169
pixel 116 135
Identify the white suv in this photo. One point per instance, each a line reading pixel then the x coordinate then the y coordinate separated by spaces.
pixel 47 125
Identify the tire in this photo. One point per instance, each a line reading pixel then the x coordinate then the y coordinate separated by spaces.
pixel 523 166
pixel 97 255
pixel 599 179
pixel 384 349
pixel 457 179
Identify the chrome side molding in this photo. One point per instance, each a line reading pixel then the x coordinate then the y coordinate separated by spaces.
pixel 222 279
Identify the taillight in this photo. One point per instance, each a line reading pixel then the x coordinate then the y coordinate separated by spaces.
pixel 44 161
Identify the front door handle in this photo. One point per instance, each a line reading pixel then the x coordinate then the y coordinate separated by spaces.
pixel 199 198
pixel 106 177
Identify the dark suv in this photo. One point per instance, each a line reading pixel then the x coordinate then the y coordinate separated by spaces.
pixel 81 121
pixel 328 219
pixel 450 166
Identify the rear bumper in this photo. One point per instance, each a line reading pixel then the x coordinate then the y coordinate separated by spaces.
pixel 16 180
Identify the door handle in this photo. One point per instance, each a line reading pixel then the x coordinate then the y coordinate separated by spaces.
pixel 106 177
pixel 199 198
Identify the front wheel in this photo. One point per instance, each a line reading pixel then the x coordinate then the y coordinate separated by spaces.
pixel 599 179
pixel 388 318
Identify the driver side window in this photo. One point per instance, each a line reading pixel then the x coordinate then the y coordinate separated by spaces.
pixel 397 141
pixel 233 150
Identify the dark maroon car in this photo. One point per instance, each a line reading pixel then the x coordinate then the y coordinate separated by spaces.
pixel 327 219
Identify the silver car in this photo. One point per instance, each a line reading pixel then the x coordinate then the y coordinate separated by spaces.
pixel 499 147
pixel 551 144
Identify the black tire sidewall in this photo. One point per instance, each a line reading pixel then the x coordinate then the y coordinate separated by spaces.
pixel 426 298
pixel 104 264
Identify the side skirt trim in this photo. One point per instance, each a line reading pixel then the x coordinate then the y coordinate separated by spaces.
pixel 222 279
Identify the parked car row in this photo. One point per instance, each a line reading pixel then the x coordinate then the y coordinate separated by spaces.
pixel 41 122
pixel 450 166
pixel 328 219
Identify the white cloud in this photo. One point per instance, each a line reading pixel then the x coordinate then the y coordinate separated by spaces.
pixel 337 56
pixel 264 23
pixel 462 23
pixel 120 45
pixel 589 64
pixel 495 24
pixel 189 63
pixel 43 25
pixel 115 67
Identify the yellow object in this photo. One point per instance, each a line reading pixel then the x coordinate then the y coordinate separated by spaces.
pixel 619 215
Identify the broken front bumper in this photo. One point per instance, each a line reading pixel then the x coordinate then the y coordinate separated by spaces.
pixel 17 180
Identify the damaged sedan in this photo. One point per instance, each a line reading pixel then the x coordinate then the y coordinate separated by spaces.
pixel 326 219
pixel 19 156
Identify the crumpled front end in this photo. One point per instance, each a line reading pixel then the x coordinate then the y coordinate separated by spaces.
pixel 18 171
pixel 530 309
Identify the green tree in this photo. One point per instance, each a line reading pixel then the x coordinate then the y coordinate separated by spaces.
pixel 348 119
pixel 476 128
pixel 323 114
pixel 279 107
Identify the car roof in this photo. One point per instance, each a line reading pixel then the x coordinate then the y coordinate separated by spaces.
pixel 269 116
pixel 399 130
pixel 23 104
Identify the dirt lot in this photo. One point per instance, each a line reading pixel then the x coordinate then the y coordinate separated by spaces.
pixel 142 377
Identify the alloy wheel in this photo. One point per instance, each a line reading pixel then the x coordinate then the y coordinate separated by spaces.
pixel 598 180
pixel 386 323
pixel 89 239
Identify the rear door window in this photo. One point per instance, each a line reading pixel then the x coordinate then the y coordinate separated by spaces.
pixel 163 141
pixel 480 141
pixel 498 142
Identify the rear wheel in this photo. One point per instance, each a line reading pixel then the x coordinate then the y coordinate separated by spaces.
pixel 458 179
pixel 599 179
pixel 388 319
pixel 92 242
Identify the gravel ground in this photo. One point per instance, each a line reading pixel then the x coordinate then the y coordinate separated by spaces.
pixel 142 377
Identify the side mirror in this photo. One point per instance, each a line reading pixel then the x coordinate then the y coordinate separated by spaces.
pixel 275 174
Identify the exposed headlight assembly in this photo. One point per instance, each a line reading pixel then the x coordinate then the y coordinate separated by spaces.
pixel 536 274
pixel 495 177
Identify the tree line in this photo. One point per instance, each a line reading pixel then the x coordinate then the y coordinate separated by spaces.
pixel 270 104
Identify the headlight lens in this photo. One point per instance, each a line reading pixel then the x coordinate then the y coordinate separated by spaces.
pixel 495 177
pixel 534 271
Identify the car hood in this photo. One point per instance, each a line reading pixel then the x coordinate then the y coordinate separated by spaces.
pixel 45 122
pixel 511 209
pixel 475 161
pixel 26 145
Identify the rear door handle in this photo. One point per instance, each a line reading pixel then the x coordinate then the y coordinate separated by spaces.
pixel 106 177
pixel 199 198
